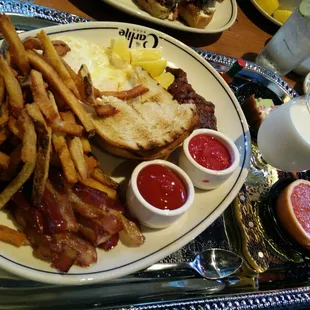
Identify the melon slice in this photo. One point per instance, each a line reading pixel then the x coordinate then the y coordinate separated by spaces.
pixel 293 210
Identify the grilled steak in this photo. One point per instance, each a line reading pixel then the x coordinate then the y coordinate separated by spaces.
pixel 184 93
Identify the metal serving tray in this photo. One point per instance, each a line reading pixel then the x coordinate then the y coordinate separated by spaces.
pixel 282 285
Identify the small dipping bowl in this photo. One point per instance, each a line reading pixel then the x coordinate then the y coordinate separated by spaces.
pixel 202 177
pixel 147 214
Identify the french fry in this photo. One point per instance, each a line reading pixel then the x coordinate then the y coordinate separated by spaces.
pixel 67 127
pixel 34 112
pixel 12 236
pixel 29 141
pixel 92 164
pixel 15 159
pixel 51 76
pixel 40 95
pixel 67 164
pixel 4 112
pixel 15 128
pixel 7 57
pixel 53 102
pixel 4 160
pixel 104 179
pixel 44 134
pixel 51 54
pixel 43 162
pixel 127 94
pixel 4 134
pixel 78 80
pixel 88 90
pixel 16 46
pixel 103 188
pixel 2 90
pixel 13 88
pixel 77 155
pixel 86 145
pixel 67 116
pixel 16 183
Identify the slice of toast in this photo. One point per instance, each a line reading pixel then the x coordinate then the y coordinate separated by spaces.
pixel 194 16
pixel 150 126
pixel 154 8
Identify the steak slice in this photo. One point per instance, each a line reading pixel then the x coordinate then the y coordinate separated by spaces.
pixel 184 93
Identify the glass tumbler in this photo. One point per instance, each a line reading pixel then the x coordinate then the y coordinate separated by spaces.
pixel 289 47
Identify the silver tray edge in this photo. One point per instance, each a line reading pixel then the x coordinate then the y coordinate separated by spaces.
pixel 284 298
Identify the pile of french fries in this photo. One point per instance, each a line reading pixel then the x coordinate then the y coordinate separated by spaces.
pixel 42 117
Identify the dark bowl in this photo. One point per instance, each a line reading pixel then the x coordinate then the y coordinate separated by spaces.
pixel 259 91
pixel 272 225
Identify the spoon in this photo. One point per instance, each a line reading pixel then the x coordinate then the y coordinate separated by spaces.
pixel 211 264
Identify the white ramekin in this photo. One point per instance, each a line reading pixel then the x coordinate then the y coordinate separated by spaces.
pixel 202 177
pixel 149 215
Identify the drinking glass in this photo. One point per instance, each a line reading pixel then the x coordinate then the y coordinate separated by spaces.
pixel 284 136
pixel 289 47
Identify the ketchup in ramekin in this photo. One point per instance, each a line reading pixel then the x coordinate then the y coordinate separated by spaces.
pixel 209 158
pixel 161 187
pixel 209 152
pixel 159 193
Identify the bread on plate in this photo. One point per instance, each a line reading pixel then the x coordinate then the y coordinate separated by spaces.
pixel 147 127
pixel 197 13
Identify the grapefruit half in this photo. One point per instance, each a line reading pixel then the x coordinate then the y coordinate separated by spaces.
pixel 293 210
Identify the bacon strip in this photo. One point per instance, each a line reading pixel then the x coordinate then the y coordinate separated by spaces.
pixel 64 208
pixel 111 243
pixel 94 197
pixel 25 214
pixel 86 253
pixel 61 47
pixel 126 94
pixel 99 230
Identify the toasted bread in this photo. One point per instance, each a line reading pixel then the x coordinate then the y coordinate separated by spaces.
pixel 148 127
pixel 193 15
pixel 154 8
pixel 145 130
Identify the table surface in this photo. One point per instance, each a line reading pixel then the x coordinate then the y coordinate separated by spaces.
pixel 244 39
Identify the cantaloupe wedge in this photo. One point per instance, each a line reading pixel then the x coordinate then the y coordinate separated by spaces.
pixel 293 210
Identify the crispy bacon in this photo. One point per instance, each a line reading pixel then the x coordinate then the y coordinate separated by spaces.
pixel 96 198
pixel 51 228
pixel 64 261
pixel 86 201
pixel 99 230
pixel 25 214
pixel 50 209
pixel 86 253
pixel 61 47
pixel 56 179
pixel 111 243
pixel 126 94
pixel 64 208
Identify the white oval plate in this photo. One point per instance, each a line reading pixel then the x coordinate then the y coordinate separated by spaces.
pixel 224 16
pixel 208 205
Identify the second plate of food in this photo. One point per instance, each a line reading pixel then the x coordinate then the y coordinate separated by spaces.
pixel 223 18
pixel 89 44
